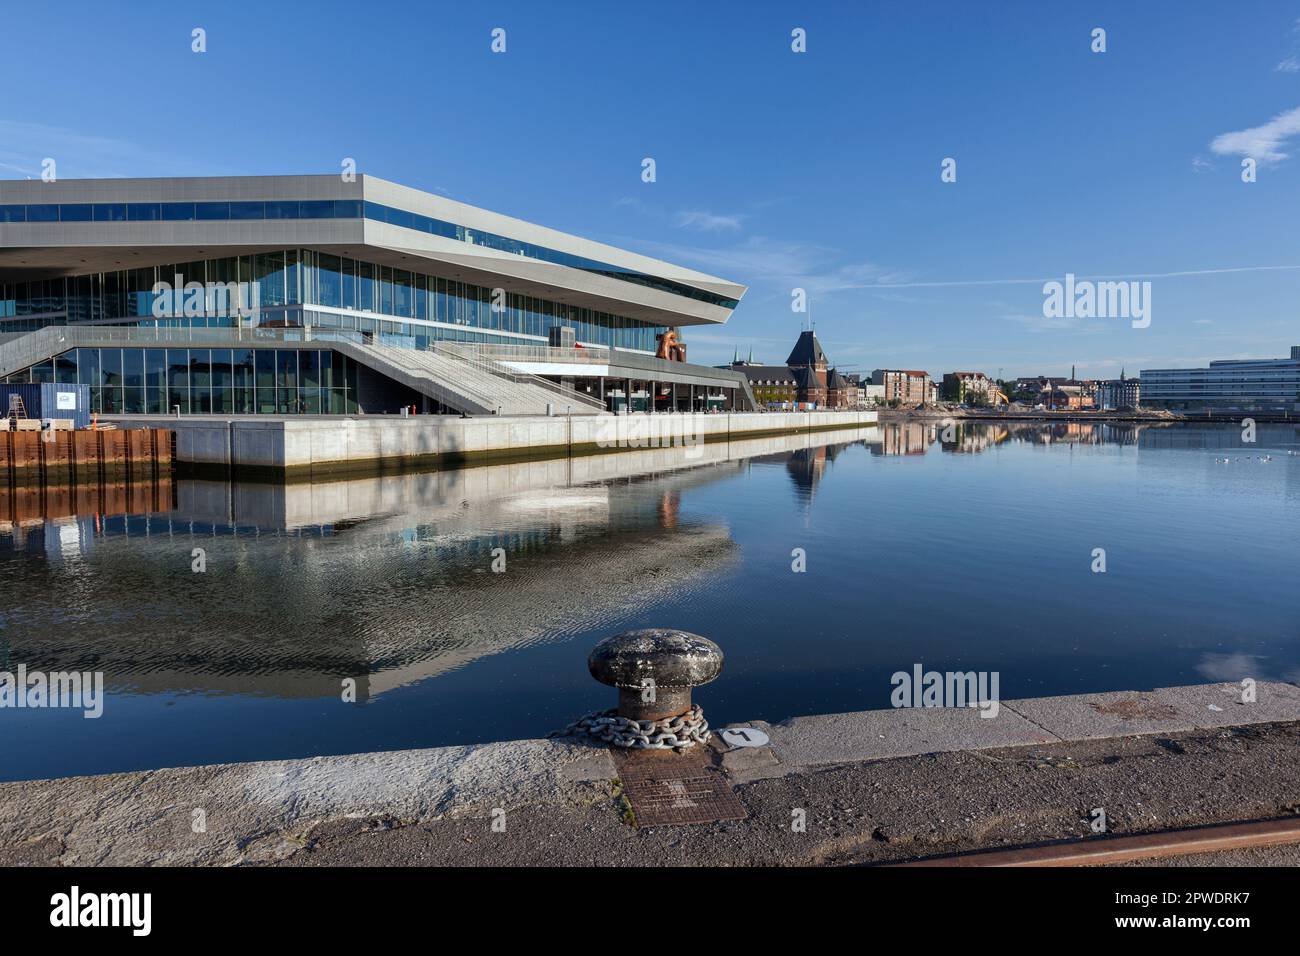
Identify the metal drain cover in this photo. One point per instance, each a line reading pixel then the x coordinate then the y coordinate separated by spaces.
pixel 665 787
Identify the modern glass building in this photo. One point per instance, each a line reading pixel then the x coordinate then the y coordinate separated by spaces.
pixel 1230 384
pixel 314 295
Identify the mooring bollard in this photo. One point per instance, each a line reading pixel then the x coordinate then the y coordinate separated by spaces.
pixel 654 670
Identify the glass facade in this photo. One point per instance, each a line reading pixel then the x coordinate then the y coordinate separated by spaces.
pixel 339 209
pixel 305 287
pixel 1265 384
pixel 218 381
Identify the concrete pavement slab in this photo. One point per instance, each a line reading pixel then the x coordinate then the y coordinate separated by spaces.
pixel 877 734
pixel 1118 714
pixel 1228 704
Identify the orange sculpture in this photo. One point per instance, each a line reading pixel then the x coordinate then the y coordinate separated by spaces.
pixel 671 347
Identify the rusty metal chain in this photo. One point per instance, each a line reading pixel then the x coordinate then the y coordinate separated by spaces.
pixel 672 733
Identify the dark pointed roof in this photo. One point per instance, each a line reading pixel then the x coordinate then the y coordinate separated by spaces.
pixel 805 377
pixel 807 351
pixel 835 380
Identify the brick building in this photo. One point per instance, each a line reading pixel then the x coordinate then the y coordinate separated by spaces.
pixel 906 386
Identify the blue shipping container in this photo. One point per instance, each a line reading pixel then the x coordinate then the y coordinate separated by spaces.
pixel 48 400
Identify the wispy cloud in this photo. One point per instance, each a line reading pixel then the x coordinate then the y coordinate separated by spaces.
pixel 695 220
pixel 1265 144
pixel 24 146
pixel 1116 276
pixel 1290 65
pixel 1037 322
pixel 1200 164
pixel 708 222
pixel 781 264
pixel 754 258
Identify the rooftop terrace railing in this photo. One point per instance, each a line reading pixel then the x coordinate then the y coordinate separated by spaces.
pixel 23 350
pixel 650 365
pixel 32 348
pixel 595 356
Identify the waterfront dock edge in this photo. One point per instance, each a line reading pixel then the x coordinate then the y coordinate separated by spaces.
pixel 294 448
pixel 873 786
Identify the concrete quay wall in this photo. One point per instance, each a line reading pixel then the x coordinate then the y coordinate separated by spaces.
pixel 884 785
pixel 299 447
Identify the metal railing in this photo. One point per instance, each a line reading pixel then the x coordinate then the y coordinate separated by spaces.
pixel 565 394
pixel 31 348
pixel 651 366
pixel 408 367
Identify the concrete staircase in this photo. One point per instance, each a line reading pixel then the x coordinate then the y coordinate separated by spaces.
pixel 469 386
pixel 468 383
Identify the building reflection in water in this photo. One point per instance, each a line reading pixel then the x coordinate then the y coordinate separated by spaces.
pixel 385 580
pixel 956 436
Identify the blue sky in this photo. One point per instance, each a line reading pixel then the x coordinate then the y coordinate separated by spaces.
pixel 779 170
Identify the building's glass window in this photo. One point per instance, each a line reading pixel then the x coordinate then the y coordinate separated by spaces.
pixel 291 278
pixel 111 370
pixel 342 209
pixel 153 381
pixel 65 368
pixel 316 209
pixel 248 210
pixel 365 287
pixel 143 211
pixel 201 381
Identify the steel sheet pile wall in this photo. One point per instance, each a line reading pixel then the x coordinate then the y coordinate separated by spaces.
pixel 70 457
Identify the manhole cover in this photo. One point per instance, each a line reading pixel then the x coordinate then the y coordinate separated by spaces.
pixel 671 788
pixel 743 737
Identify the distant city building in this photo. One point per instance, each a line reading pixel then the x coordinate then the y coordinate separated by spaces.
pixel 1240 384
pixel 771 384
pixel 1071 395
pixel 974 387
pixel 1122 392
pixel 806 378
pixel 1057 392
pixel 906 386
pixel 859 387
pixel 1029 388
pixel 839 392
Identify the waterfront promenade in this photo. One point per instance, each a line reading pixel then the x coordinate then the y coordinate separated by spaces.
pixel 872 787
pixel 296 447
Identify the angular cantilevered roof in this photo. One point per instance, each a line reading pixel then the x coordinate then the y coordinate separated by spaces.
pixel 77 227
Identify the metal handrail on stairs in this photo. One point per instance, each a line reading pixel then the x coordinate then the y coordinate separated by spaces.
pixel 571 395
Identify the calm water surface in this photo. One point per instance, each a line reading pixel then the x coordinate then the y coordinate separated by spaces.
pixel 971 550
